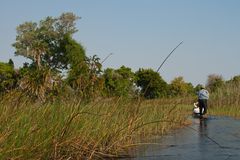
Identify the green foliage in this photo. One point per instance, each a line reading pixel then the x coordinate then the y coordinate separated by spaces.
pixel 119 82
pixel 6 68
pixel 151 83
pixel 84 77
pixel 71 130
pixel 8 77
pixel 11 63
pixel 95 82
pixel 179 87
pixel 214 82
pixel 50 46
pixel 235 80
pixel 40 42
pixel 39 83
pixel 197 88
pixel 29 42
pixel 75 58
pixel 75 53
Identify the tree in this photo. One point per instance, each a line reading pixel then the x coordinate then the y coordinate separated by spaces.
pixel 75 53
pixel 49 45
pixel 214 82
pixel 119 82
pixel 75 58
pixel 85 78
pixel 151 83
pixel 41 41
pixel 179 87
pixel 8 77
pixel 235 80
pixel 38 83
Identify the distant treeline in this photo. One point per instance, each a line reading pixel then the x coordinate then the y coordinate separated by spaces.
pixel 59 68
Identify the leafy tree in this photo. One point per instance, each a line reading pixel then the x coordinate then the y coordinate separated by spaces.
pixel 151 83
pixel 75 53
pixel 190 88
pixel 8 77
pixel 41 41
pixel 235 80
pixel 29 42
pixel 179 87
pixel 119 82
pixel 50 46
pixel 214 82
pixel 95 80
pixel 85 77
pixel 75 58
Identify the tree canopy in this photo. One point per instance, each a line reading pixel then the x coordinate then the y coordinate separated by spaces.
pixel 178 87
pixel 214 82
pixel 151 83
pixel 119 82
pixel 41 42
pixel 7 76
pixel 58 62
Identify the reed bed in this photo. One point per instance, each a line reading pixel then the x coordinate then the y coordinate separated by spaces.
pixel 226 101
pixel 72 130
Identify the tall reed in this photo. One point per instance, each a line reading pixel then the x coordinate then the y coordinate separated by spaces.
pixel 72 130
pixel 226 100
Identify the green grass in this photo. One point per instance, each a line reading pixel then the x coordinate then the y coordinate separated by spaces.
pixel 104 128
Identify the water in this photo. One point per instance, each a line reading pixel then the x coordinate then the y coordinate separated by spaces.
pixel 213 138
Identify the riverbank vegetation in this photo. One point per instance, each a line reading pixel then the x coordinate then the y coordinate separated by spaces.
pixel 62 104
pixel 71 130
pixel 225 98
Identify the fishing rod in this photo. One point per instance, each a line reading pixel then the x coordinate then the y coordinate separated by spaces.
pixel 168 56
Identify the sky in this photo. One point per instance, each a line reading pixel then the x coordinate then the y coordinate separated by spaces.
pixel 141 33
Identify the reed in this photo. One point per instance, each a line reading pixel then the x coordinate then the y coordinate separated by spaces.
pixel 101 129
pixel 226 101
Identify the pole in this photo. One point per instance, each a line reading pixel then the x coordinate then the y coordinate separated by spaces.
pixel 168 56
pixel 106 57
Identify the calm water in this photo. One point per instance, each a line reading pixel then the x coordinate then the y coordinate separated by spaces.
pixel 213 138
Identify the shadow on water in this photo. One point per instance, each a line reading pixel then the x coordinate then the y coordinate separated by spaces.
pixel 212 138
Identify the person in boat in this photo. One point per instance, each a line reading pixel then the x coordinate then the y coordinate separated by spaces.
pixel 203 96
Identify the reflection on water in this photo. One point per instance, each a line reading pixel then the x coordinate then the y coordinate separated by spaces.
pixel 211 138
pixel 203 127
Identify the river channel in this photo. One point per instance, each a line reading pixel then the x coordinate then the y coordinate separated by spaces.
pixel 214 138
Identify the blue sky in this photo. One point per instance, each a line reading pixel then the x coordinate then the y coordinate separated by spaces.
pixel 141 33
